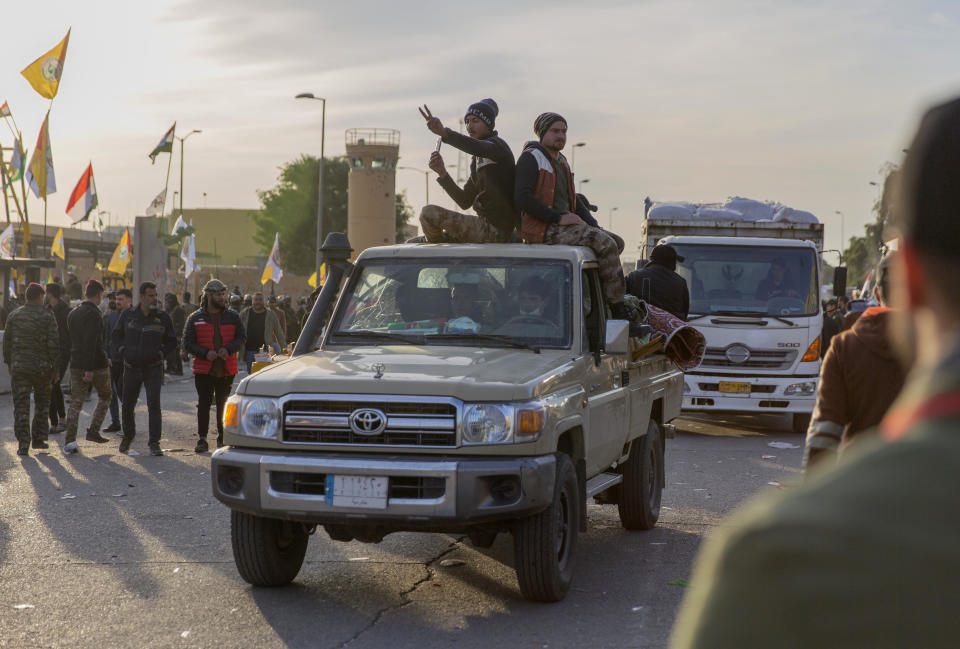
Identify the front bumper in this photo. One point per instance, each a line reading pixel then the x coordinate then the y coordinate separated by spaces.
pixel 452 492
pixel 767 394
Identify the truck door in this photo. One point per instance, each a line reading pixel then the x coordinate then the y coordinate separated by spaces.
pixel 606 396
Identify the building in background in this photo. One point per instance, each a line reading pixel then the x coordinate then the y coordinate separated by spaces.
pixel 371 186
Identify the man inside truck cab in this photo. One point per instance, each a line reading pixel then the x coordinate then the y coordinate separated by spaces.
pixel 777 283
pixel 551 214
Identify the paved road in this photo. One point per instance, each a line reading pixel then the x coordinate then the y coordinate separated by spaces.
pixel 101 550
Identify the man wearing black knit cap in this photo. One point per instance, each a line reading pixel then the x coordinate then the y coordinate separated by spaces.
pixel 488 190
pixel 551 213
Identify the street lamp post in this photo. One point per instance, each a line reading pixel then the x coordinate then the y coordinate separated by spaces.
pixel 843 239
pixel 182 140
pixel 426 180
pixel 323 129
pixel 573 155
pixel 610 217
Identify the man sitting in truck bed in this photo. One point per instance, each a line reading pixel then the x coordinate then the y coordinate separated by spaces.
pixel 550 212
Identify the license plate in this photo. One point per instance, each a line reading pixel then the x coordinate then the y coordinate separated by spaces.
pixel 364 491
pixel 734 386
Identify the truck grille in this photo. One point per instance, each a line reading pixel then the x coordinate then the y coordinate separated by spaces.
pixel 315 484
pixel 409 423
pixel 760 359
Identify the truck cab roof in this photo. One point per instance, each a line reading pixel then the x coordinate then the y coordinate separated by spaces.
pixel 573 254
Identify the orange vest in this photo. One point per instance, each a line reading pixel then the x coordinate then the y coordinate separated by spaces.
pixel 532 228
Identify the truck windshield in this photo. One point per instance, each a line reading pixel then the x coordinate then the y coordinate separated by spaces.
pixel 753 279
pixel 518 301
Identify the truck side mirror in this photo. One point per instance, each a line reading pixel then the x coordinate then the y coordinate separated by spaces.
pixel 618 337
pixel 839 281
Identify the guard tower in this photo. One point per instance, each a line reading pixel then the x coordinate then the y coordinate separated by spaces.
pixel 371 186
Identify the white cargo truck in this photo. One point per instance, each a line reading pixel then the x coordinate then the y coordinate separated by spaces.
pixel 754 294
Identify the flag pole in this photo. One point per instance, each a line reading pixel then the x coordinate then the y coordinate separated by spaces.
pixel 3 181
pixel 43 240
pixel 166 185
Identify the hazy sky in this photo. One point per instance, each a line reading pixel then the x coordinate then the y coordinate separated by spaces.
pixel 800 102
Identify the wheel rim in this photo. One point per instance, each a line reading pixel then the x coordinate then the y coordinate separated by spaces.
pixel 563 529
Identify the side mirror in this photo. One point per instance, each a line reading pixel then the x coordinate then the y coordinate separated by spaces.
pixel 839 281
pixel 618 337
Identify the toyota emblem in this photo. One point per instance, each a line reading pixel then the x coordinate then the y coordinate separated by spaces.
pixel 368 421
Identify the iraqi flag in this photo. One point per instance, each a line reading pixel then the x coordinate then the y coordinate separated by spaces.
pixel 166 144
pixel 83 198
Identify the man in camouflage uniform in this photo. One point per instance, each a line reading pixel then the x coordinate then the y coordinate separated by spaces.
pixel 31 345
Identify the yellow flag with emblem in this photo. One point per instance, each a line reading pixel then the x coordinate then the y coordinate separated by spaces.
pixel 44 73
pixel 121 256
pixel 58 249
pixel 323 276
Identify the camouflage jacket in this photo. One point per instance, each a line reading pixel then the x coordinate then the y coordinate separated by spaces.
pixel 31 342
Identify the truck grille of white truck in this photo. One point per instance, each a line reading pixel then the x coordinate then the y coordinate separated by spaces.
pixel 409 423
pixel 760 359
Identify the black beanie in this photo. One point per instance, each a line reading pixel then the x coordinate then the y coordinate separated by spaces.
pixel 544 121
pixel 486 110
pixel 928 213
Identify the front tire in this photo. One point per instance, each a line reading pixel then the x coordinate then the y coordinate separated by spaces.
pixel 544 544
pixel 267 551
pixel 642 485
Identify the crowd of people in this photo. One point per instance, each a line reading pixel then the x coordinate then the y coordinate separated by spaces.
pixel 108 344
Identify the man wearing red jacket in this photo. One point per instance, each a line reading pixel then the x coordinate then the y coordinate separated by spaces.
pixel 213 335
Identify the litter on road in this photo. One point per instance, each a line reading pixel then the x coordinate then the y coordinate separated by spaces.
pixel 782 445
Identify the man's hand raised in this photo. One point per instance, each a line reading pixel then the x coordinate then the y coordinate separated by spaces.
pixel 436 164
pixel 571 219
pixel 433 123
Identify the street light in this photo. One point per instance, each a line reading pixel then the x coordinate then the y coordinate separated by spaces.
pixel 323 133
pixel 182 140
pixel 580 190
pixel 843 241
pixel 426 179
pixel 610 217
pixel 573 155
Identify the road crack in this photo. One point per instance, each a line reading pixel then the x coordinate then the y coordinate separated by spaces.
pixel 429 574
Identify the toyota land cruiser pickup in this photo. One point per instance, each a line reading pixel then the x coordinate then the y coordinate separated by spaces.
pixel 461 389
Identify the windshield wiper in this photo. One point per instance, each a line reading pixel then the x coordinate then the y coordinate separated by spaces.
pixel 754 314
pixel 497 338
pixel 410 339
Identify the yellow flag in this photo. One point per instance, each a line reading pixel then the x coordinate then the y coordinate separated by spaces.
pixel 323 276
pixel 44 73
pixel 58 249
pixel 272 270
pixel 121 256
pixel 25 231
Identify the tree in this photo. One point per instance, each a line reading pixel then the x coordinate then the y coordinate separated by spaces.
pixel 864 252
pixel 290 208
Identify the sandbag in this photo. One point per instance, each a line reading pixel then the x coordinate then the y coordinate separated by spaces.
pixel 711 213
pixel 752 210
pixel 789 215
pixel 671 212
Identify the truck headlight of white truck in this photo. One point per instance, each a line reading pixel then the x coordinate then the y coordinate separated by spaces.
pixel 253 416
pixel 806 388
pixel 488 423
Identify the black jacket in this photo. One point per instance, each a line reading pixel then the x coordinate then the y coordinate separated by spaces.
pixel 489 190
pixel 110 320
pixel 85 324
pixel 528 171
pixel 662 288
pixel 60 312
pixel 144 340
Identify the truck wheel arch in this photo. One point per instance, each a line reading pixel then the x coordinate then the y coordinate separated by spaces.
pixel 570 442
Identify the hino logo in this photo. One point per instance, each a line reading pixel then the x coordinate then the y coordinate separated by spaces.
pixel 368 421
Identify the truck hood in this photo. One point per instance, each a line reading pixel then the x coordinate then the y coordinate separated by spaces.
pixel 468 373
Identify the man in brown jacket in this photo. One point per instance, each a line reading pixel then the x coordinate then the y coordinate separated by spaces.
pixel 859 379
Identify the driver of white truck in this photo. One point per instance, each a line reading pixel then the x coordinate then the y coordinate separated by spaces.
pixel 777 283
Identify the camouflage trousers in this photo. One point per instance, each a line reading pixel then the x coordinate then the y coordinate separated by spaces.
pixel 22 385
pixel 441 225
pixel 603 245
pixel 79 390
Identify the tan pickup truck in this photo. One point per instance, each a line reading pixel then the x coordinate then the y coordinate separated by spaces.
pixel 460 389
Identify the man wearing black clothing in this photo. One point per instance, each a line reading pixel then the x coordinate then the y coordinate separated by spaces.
pixel 124 298
pixel 213 335
pixel 144 336
pixel 88 366
pixel 489 190
pixel 60 308
pixel 659 284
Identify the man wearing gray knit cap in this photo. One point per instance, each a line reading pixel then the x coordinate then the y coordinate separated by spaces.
pixel 488 190
pixel 551 213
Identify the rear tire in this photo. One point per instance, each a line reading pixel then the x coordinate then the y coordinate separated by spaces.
pixel 801 422
pixel 267 551
pixel 544 545
pixel 642 485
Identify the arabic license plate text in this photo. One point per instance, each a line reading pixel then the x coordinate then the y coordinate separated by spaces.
pixel 365 491
pixel 734 386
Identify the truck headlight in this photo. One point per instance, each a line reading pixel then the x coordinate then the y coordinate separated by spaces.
pixel 807 388
pixel 485 423
pixel 260 417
